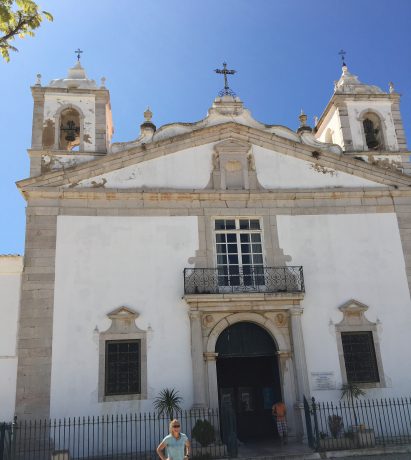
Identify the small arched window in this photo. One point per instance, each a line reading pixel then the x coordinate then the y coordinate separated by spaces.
pixel 69 137
pixel 372 131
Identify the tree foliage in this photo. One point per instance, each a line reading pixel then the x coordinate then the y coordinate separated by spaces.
pixel 18 18
pixel 352 392
pixel 168 401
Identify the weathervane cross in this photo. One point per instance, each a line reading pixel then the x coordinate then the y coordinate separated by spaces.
pixel 342 53
pixel 78 52
pixel 226 91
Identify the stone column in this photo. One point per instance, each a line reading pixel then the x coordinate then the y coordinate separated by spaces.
pixel 301 373
pixel 211 358
pixel 285 363
pixel 299 353
pixel 199 394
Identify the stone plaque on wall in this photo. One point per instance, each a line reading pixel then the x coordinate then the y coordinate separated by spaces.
pixel 323 380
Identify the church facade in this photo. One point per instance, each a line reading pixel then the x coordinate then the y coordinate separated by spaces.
pixel 237 262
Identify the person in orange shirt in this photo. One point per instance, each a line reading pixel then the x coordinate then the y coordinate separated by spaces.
pixel 279 411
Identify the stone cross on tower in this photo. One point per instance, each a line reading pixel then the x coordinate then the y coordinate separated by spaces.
pixel 78 52
pixel 342 53
pixel 226 91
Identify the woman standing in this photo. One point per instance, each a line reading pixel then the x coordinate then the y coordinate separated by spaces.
pixel 176 444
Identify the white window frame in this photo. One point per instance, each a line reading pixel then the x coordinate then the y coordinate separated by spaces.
pixel 242 286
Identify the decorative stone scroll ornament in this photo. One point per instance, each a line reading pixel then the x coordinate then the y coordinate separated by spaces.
pixel 233 166
pixel 123 327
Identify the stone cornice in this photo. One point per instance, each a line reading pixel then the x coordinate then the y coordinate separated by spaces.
pixel 56 193
pixel 208 135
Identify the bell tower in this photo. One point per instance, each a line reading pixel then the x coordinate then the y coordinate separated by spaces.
pixel 72 121
pixel 364 120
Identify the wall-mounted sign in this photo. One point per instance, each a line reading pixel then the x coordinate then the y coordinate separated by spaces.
pixel 323 380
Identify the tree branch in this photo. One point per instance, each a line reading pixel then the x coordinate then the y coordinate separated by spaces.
pixel 21 23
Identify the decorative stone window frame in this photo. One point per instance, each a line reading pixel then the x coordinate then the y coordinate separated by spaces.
pixel 354 320
pixel 123 327
pixel 363 115
pixel 57 122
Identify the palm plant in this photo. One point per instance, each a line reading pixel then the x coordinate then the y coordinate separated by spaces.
pixel 352 391
pixel 168 401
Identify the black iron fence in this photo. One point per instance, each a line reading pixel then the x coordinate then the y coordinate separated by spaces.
pixel 129 436
pixel 362 423
pixel 5 440
pixel 251 278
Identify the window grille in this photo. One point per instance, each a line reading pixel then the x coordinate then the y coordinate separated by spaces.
pixel 359 356
pixel 123 360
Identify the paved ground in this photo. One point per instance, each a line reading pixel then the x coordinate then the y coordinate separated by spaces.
pixel 272 450
pixel 382 457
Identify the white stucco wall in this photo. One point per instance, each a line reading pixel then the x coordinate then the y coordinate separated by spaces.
pixel 187 169
pixel 352 257
pixel 191 169
pixel 10 284
pixel 276 170
pixel 332 123
pixel 86 103
pixel 106 262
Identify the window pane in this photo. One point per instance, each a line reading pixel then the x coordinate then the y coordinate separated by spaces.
pixel 231 238
pixel 222 270
pixel 233 259
pixel 221 259
pixel 221 249
pixel 234 269
pixel 234 280
pixel 255 237
pixel 257 248
pixel 257 259
pixel 220 238
pixel 247 269
pixel 232 248
pixel 230 224
pixel 245 248
pixel 220 224
pixel 246 258
pixel 244 224
pixel 255 224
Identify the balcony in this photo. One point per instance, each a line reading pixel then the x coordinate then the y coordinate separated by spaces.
pixel 249 279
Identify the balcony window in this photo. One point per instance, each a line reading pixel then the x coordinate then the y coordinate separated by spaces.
pixel 239 252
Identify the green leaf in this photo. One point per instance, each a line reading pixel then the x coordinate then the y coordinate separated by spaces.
pixel 18 18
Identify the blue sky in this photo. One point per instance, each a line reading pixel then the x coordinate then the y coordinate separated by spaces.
pixel 162 53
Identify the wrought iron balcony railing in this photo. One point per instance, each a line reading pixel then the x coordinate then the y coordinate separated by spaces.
pixel 243 279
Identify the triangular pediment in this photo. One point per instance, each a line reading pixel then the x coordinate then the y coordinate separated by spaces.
pixel 191 156
pixel 123 313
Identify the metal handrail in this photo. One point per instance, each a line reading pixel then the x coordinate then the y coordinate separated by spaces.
pixel 252 278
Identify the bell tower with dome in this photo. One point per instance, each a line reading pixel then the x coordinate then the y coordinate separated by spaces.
pixel 71 121
pixel 364 120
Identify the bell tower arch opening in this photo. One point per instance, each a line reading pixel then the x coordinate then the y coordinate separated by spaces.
pixel 69 129
pixel 373 131
pixel 248 377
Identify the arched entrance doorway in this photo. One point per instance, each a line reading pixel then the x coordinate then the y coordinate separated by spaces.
pixel 248 377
